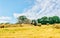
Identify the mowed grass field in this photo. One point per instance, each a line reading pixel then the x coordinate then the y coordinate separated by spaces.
pixel 30 32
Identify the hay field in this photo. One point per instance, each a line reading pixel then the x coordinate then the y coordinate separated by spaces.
pixel 30 32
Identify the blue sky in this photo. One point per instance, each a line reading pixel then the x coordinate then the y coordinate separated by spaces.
pixel 8 7
pixel 32 9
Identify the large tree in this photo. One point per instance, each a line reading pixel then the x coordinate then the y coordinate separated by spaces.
pixel 50 20
pixel 23 19
pixel 56 19
pixel 43 20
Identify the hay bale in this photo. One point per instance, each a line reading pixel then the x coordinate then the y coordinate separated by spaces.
pixel 56 26
pixel 1 26
pixel 39 24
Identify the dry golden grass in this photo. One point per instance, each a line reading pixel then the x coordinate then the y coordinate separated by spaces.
pixel 28 31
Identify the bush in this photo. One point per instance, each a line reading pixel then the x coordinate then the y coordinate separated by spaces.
pixel 34 22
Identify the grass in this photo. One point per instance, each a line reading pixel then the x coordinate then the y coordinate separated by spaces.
pixel 30 32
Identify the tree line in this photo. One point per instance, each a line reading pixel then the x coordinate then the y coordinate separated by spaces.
pixel 38 22
pixel 50 20
pixel 43 20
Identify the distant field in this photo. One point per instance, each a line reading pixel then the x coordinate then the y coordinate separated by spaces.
pixel 30 32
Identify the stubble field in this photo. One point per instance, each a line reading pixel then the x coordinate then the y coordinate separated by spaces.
pixel 30 32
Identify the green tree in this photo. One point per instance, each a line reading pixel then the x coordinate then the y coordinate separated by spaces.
pixel 56 19
pixel 43 20
pixel 22 19
pixel 50 20
pixel 39 20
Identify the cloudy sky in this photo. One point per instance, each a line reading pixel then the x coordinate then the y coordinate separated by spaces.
pixel 33 9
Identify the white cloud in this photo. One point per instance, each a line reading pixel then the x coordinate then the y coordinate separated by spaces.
pixel 1 21
pixel 4 19
pixel 42 8
pixel 16 14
